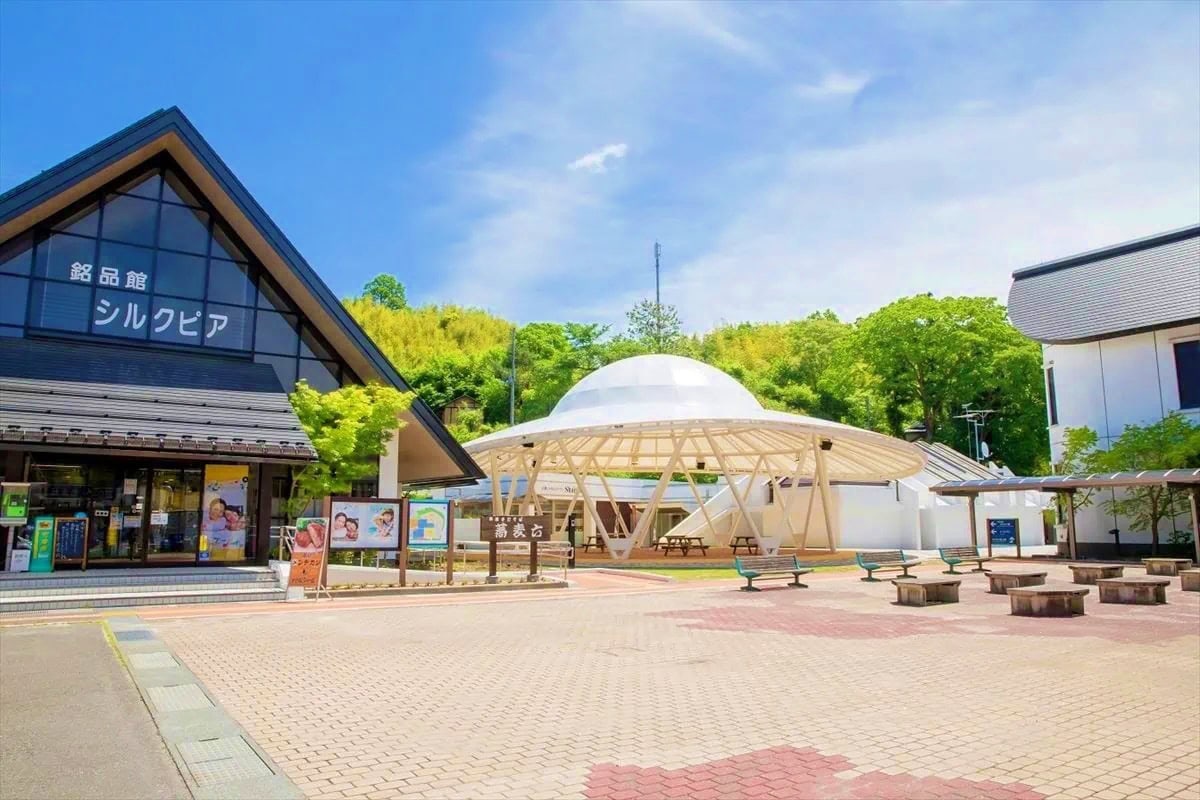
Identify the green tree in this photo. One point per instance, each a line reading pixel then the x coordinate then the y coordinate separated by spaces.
pixel 1170 443
pixel 1079 452
pixel 655 326
pixel 387 291
pixel 350 428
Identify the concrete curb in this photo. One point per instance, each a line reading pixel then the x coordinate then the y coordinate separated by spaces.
pixel 215 756
pixel 630 573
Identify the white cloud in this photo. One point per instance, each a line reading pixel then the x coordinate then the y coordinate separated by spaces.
pixel 597 160
pixel 833 85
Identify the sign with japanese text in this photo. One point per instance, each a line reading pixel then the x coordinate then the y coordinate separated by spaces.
pixel 1003 531
pixel 363 523
pixel 70 533
pixel 512 528
pixel 223 512
pixel 41 556
pixel 308 552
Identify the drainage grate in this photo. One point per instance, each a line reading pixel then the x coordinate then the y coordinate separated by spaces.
pixel 133 636
pixel 152 661
pixel 222 760
pixel 185 697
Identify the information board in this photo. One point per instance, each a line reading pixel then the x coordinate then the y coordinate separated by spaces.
pixel 70 533
pixel 364 523
pixel 1003 531
pixel 428 523
pixel 512 528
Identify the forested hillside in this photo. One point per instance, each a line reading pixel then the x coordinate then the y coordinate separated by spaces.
pixel 914 362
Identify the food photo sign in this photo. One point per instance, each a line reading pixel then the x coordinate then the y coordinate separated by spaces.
pixel 357 523
pixel 307 568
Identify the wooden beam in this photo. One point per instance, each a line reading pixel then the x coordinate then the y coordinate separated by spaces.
pixel 826 501
pixel 700 500
pixel 754 529
pixel 647 517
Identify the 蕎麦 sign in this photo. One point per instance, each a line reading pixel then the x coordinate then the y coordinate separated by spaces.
pixel 512 528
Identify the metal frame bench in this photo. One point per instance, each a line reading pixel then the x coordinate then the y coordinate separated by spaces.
pixel 768 567
pixel 884 560
pixel 953 556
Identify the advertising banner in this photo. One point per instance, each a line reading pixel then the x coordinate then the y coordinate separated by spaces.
pixel 364 524
pixel 428 523
pixel 41 554
pixel 511 528
pixel 308 554
pixel 223 512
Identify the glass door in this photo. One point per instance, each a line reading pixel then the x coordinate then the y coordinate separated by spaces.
pixel 117 501
pixel 173 532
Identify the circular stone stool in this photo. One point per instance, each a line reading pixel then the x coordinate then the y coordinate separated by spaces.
pixel 1047 601
pixel 1142 590
pixel 1189 580
pixel 1090 573
pixel 1001 582
pixel 1166 566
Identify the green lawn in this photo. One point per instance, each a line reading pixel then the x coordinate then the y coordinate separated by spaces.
pixel 718 573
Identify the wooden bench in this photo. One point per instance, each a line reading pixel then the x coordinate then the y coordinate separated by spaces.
pixel 1166 566
pixel 1001 582
pixel 768 567
pixel 1142 590
pixel 1088 574
pixel 926 591
pixel 957 555
pixel 884 560
pixel 1047 601
pixel 1189 580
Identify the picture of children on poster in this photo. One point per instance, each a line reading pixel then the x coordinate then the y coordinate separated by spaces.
pixel 223 512
pixel 364 524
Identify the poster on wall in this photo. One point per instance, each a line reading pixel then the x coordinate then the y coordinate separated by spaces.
pixel 308 552
pixel 41 552
pixel 428 523
pixel 364 524
pixel 223 515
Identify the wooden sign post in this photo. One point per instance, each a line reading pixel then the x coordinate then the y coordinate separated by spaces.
pixel 529 530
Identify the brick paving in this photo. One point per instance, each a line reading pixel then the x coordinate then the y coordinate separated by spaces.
pixel 697 690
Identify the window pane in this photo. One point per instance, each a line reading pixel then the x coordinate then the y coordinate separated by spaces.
pixel 223 246
pixel 228 326
pixel 178 274
pixel 57 255
pixel 311 345
pixel 285 369
pixel 321 375
pixel 16 257
pixel 84 223
pixel 60 306
pixel 123 266
pixel 183 229
pixel 175 192
pixel 10 331
pixel 276 333
pixel 129 219
pixel 230 282
pixel 271 296
pixel 143 186
pixel 125 314
pixel 1187 371
pixel 13 293
pixel 178 321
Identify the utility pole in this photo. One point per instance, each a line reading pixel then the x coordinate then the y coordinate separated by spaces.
pixel 657 297
pixel 512 380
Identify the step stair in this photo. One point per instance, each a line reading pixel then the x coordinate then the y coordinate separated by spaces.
pixel 21 592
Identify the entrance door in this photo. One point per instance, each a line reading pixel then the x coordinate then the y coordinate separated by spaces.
pixel 173 532
pixel 117 500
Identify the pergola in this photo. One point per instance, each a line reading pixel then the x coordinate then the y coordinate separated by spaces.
pixel 1183 479
pixel 668 415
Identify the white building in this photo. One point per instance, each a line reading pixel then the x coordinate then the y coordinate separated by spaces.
pixel 1120 334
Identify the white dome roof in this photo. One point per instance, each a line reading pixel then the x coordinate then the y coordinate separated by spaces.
pixel 684 383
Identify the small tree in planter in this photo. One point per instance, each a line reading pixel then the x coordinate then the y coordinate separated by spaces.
pixel 350 428
pixel 1170 443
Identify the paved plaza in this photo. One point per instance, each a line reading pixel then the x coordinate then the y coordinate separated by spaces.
pixel 695 690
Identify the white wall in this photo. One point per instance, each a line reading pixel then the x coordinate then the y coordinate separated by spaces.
pixel 874 518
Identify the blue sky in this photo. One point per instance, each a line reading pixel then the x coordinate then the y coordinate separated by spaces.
pixel 524 157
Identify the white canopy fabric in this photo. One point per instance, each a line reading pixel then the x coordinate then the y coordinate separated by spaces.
pixel 635 414
pixel 670 415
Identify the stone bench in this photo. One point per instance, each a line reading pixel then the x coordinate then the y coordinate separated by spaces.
pixel 1189 580
pixel 1143 590
pixel 1001 582
pixel 1166 566
pixel 1047 601
pixel 1088 574
pixel 926 591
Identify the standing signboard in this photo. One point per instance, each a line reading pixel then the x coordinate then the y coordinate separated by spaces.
pixel 498 528
pixel 223 512
pixel 70 535
pixel 365 523
pixel 41 552
pixel 308 553
pixel 1004 531
pixel 428 523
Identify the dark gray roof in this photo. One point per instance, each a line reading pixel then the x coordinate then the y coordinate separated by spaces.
pixel 1058 483
pixel 30 194
pixel 72 395
pixel 1136 286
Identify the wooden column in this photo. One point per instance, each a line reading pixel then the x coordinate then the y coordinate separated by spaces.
pixel 262 513
pixel 449 543
pixel 1071 522
pixel 1194 499
pixel 971 522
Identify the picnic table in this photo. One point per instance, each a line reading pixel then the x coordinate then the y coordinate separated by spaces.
pixel 683 543
pixel 747 542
